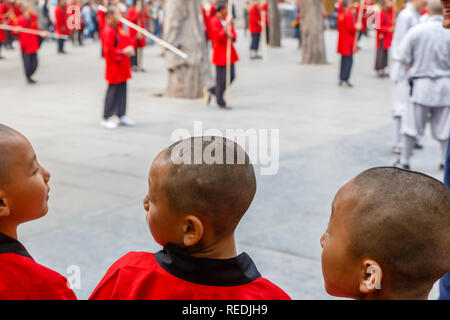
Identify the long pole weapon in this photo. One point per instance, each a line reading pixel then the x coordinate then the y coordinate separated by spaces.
pixel 228 69
pixel 32 31
pixel 158 40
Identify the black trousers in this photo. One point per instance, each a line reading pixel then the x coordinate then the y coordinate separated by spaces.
pixel 221 83
pixel 116 100
pixel 381 61
pixel 30 63
pixel 133 60
pixel 346 67
pixel 61 45
pixel 254 45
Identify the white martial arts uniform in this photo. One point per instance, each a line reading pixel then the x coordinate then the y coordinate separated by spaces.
pixel 426 50
pixel 407 18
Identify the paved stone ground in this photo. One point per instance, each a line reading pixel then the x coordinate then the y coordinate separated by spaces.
pixel 327 135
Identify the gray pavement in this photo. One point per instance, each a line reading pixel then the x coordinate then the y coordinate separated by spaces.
pixel 99 177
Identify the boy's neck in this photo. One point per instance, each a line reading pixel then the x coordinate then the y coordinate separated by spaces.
pixel 222 249
pixel 9 230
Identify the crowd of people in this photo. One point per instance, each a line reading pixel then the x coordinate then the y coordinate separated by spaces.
pixel 374 247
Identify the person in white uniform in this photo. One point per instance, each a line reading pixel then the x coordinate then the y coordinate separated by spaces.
pixel 407 18
pixel 425 52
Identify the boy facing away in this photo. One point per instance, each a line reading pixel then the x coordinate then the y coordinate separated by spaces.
pixel 388 236
pixel 24 193
pixel 193 208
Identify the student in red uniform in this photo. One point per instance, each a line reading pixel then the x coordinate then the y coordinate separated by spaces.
pixel 346 42
pixel 117 49
pixel 136 16
pixel 61 24
pixel 29 43
pixel 9 13
pixel 387 238
pixel 254 26
pixel 222 31
pixel 193 211
pixel 384 37
pixel 24 193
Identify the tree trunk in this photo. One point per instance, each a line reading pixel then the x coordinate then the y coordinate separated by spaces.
pixel 275 28
pixel 313 42
pixel 184 28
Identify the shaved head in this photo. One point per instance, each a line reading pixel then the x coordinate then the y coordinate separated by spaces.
pixel 215 179
pixel 435 7
pixel 7 135
pixel 402 220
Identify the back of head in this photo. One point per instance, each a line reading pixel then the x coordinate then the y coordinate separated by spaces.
pixel 212 176
pixel 402 220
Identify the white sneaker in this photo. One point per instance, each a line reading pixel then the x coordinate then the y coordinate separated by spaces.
pixel 124 121
pixel 109 124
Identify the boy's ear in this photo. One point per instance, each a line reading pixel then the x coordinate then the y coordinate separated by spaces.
pixel 192 230
pixel 4 210
pixel 371 277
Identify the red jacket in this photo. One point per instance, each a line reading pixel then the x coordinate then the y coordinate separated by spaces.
pixel 136 18
pixel 4 9
pixel 100 20
pixel 61 21
pixel 347 32
pixel 29 43
pixel 174 275
pixel 219 43
pixel 21 278
pixel 254 20
pixel 118 66
pixel 383 34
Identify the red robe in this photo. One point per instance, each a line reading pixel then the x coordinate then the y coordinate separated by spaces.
pixel 383 34
pixel 22 278
pixel 172 274
pixel 219 43
pixel 4 19
pixel 118 66
pixel 61 21
pixel 136 18
pixel 347 32
pixel 254 20
pixel 29 43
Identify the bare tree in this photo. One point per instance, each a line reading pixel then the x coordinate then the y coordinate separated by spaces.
pixel 312 31
pixel 275 28
pixel 184 28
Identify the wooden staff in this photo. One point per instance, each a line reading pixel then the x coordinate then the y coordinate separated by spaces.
pixel 159 41
pixel 358 22
pixel 228 69
pixel 33 31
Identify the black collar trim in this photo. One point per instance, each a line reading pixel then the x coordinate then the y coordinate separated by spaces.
pixel 210 272
pixel 11 245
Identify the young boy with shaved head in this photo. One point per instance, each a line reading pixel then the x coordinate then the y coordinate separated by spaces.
pixel 199 189
pixel 387 237
pixel 23 197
